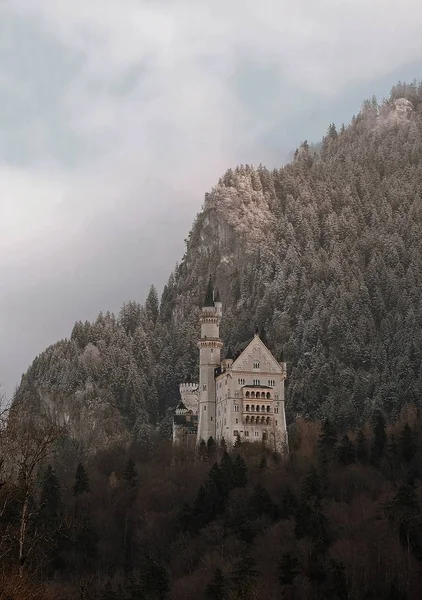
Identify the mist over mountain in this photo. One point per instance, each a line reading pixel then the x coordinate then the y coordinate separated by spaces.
pixel 324 254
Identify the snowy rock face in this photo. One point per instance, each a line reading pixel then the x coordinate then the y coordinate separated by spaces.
pixel 403 108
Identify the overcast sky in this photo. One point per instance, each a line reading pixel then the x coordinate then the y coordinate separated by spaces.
pixel 116 116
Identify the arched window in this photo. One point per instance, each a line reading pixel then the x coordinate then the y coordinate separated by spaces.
pixel 247 394
pixel 257 408
pixel 268 420
pixel 247 408
pixel 268 409
pixel 252 407
pixel 263 395
pixel 252 419
pixel 263 420
pixel 268 395
pixel 262 408
pixel 247 419
pixel 252 394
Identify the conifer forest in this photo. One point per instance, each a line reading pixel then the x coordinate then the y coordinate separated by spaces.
pixel 324 256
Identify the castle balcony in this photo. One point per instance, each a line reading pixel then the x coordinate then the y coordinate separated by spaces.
pixel 259 409
pixel 257 419
pixel 257 392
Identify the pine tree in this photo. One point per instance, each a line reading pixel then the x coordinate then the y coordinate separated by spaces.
pixel 328 438
pixel 130 474
pixel 50 501
pixel 152 305
pixel 239 472
pixel 217 589
pixel 202 451
pixel 380 438
pixel 49 519
pixel 336 587
pixel 361 448
pixel 81 485
pixel 245 575
pixel 407 444
pixel 211 448
pixel 346 451
pixel 289 569
pixel 288 504
pixel 261 504
pixel 109 593
pixel 154 579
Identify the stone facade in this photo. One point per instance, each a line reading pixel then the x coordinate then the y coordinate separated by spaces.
pixel 236 397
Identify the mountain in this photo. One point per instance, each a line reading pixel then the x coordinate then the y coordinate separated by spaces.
pixel 325 253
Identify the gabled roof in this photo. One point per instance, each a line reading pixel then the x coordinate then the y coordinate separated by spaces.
pixel 255 340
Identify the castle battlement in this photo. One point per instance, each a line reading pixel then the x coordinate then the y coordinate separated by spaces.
pixel 188 388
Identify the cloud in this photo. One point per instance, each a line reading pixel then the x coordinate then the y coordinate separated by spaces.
pixel 117 115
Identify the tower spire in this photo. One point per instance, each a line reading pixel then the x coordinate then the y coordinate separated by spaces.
pixel 209 295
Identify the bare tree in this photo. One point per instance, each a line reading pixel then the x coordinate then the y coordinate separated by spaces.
pixel 27 441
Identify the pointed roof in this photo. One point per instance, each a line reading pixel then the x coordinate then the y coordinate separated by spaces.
pixel 255 340
pixel 209 295
pixel 229 353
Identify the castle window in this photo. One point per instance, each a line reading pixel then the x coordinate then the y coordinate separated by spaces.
pixel 247 394
pixel 257 408
pixel 276 396
pixel 252 419
pixel 204 386
pixel 252 407
pixel 212 350
pixel 246 433
pixel 263 395
pixel 247 408
pixel 268 409
pixel 264 436
pixel 211 419
pixel 237 421
pixel 262 408
pixel 268 420
pixel 262 420
pixel 252 394
pixel 256 433
pixel 276 422
pixel 256 365
pixel 235 432
pixel 236 408
pixel 205 408
pixel 247 419
pixel 268 395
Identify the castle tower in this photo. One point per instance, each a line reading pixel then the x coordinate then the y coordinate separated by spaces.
pixel 209 346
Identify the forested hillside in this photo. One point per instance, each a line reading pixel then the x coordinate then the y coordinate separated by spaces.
pixel 339 518
pixel 324 253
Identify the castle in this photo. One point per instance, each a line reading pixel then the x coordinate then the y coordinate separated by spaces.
pixel 237 397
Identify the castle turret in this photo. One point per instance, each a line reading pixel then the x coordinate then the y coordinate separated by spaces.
pixel 209 346
pixel 189 396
